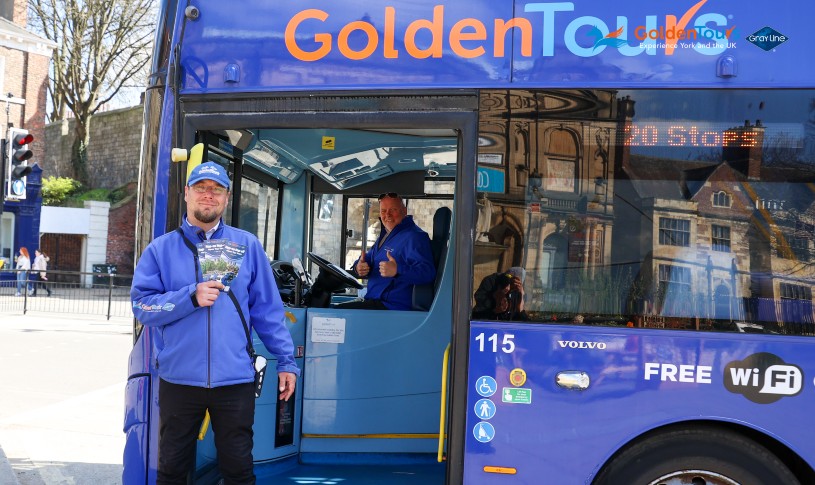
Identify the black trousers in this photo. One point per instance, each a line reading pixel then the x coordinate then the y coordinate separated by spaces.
pixel 181 411
pixel 39 283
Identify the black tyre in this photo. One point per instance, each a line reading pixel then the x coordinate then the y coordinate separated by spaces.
pixel 699 455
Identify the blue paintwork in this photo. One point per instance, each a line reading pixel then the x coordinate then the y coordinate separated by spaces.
pixel 26 219
pixel 165 146
pixel 562 55
pixel 137 412
pixel 620 403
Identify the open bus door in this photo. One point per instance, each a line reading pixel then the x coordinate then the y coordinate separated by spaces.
pixel 371 390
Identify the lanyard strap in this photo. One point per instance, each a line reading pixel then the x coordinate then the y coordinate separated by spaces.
pixel 249 348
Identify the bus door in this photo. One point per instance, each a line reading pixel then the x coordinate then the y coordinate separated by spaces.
pixel 254 206
pixel 372 384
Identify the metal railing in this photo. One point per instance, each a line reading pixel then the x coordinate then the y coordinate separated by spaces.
pixel 67 292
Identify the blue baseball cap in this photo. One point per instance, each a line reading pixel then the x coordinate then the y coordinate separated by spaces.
pixel 209 171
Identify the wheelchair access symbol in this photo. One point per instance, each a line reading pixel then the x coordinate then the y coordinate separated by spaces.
pixel 484 432
pixel 486 386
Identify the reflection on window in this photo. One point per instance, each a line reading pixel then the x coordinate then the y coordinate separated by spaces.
pixel 674 232
pixel 654 208
pixel 795 292
pixel 327 230
pixel 800 248
pixel 561 162
pixel 721 238
pixel 258 212
pixel 675 278
pixel 721 199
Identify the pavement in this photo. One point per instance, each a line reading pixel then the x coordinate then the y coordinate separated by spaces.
pixel 65 428
pixel 7 475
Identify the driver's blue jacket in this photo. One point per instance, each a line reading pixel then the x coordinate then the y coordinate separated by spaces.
pixel 207 346
pixel 409 245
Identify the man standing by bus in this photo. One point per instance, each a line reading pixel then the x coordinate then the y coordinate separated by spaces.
pixel 401 258
pixel 202 352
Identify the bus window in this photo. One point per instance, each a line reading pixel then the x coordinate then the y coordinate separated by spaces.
pixel 258 212
pixel 651 208
pixel 362 224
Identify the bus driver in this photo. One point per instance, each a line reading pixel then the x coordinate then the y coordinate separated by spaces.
pixel 399 259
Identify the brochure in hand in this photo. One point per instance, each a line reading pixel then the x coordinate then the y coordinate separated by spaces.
pixel 220 260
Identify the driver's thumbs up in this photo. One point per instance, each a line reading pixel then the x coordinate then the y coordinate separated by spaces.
pixel 362 267
pixel 388 268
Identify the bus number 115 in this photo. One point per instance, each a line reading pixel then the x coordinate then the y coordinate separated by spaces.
pixel 507 345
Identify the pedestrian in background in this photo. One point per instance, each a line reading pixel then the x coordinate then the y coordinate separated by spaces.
pixel 38 276
pixel 23 267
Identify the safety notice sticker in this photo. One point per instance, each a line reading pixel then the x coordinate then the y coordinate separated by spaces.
pixel 517 395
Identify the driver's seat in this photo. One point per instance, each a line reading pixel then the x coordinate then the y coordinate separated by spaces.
pixel 423 294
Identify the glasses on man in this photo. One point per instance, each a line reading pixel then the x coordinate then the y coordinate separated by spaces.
pixel 214 190
pixel 389 195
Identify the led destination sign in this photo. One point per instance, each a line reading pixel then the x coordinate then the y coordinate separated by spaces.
pixel 689 135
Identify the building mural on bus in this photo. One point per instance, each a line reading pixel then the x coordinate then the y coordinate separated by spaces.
pixel 605 223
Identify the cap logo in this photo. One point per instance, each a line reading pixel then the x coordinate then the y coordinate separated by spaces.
pixel 211 170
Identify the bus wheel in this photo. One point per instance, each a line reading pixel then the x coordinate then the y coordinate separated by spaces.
pixel 698 455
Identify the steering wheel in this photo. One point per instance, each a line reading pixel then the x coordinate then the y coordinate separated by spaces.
pixel 344 276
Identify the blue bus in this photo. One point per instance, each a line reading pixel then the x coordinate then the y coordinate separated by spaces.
pixel 621 205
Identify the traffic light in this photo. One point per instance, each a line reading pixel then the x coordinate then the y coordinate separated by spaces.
pixel 17 155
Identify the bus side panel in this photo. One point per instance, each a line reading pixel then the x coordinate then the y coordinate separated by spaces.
pixel 518 416
pixel 381 377
pixel 136 430
pixel 138 394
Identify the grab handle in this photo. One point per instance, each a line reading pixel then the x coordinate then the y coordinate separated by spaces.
pixel 443 414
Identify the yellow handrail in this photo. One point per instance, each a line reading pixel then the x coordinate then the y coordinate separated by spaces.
pixel 204 427
pixel 443 414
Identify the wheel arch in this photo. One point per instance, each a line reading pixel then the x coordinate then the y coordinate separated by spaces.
pixel 797 465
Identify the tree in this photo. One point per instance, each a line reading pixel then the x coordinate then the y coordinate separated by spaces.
pixel 101 46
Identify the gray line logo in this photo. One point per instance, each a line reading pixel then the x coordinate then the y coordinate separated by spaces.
pixel 767 38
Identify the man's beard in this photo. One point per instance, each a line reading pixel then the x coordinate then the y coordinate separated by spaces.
pixel 206 218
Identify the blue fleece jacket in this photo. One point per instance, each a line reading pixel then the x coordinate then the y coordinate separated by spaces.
pixel 206 346
pixel 409 245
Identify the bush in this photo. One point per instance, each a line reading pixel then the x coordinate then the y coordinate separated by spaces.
pixel 66 192
pixel 55 190
pixel 95 194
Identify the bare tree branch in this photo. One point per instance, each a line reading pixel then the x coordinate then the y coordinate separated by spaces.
pixel 102 46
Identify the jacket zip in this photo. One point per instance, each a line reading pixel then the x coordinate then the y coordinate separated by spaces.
pixel 209 346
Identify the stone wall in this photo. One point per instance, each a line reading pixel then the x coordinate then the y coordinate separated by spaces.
pixel 121 228
pixel 113 152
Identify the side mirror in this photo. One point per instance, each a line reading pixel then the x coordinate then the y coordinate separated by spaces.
pixel 326 208
pixel 305 278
